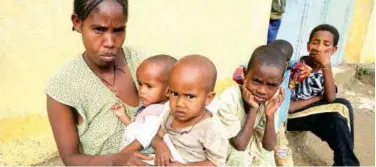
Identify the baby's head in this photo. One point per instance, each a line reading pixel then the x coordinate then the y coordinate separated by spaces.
pixel 265 72
pixel 152 78
pixel 191 86
pixel 284 46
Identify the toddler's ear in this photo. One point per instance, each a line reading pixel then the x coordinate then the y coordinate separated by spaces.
pixel 209 97
pixel 166 92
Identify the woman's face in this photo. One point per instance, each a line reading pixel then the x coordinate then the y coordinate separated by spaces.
pixel 103 32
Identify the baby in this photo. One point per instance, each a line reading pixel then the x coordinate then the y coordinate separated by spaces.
pixel 152 78
pixel 189 133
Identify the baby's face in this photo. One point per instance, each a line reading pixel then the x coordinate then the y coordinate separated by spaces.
pixel 188 94
pixel 152 88
pixel 263 81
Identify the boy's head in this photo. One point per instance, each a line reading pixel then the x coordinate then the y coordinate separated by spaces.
pixel 265 72
pixel 191 86
pixel 152 78
pixel 323 38
pixel 284 46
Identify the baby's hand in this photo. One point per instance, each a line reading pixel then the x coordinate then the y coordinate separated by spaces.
pixel 119 110
pixel 162 155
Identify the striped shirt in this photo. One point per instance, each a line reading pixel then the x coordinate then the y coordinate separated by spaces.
pixel 313 85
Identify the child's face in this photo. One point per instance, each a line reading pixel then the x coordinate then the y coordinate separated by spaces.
pixel 103 32
pixel 263 81
pixel 322 41
pixel 187 94
pixel 151 87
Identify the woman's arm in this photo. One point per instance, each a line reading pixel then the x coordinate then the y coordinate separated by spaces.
pixel 299 104
pixel 62 120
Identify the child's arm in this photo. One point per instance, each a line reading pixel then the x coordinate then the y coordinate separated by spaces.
pixel 120 112
pixel 162 153
pixel 269 139
pixel 134 146
pixel 241 140
pixel 299 104
pixel 329 87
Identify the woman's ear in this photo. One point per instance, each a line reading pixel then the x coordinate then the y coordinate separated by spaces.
pixel 77 23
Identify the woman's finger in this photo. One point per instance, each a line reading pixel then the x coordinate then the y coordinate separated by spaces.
pixel 143 156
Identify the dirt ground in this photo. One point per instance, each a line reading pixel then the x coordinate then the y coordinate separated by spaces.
pixel 314 152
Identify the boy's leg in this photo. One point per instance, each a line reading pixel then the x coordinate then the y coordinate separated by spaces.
pixel 273 29
pixel 332 128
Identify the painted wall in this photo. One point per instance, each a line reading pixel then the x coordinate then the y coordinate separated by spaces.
pixel 358 30
pixel 368 51
pixel 302 16
pixel 36 39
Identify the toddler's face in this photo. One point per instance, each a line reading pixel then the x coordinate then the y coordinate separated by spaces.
pixel 263 81
pixel 152 88
pixel 188 94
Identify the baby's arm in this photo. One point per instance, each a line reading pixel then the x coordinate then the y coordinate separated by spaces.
pixel 162 153
pixel 134 146
pixel 120 112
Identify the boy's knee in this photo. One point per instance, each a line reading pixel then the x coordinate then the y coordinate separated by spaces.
pixel 344 101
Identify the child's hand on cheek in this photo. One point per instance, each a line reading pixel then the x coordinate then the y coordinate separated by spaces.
pixel 274 103
pixel 323 58
pixel 248 97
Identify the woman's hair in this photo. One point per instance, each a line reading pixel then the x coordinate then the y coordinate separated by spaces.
pixel 82 8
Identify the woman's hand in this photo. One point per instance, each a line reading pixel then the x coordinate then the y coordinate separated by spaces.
pixel 133 158
pixel 274 103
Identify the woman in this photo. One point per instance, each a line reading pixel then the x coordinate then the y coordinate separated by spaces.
pixel 81 94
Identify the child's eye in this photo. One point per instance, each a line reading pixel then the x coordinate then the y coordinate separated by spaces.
pixel 190 96
pixel 99 30
pixel 256 82
pixel 173 93
pixel 119 29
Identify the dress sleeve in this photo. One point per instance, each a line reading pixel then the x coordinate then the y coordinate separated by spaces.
pixel 228 113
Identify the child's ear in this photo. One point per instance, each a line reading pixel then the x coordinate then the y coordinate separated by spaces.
pixel 308 47
pixel 334 50
pixel 244 71
pixel 209 97
pixel 166 92
pixel 77 23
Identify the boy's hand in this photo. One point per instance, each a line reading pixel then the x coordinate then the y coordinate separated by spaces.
pixel 323 58
pixel 274 103
pixel 248 97
pixel 162 155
